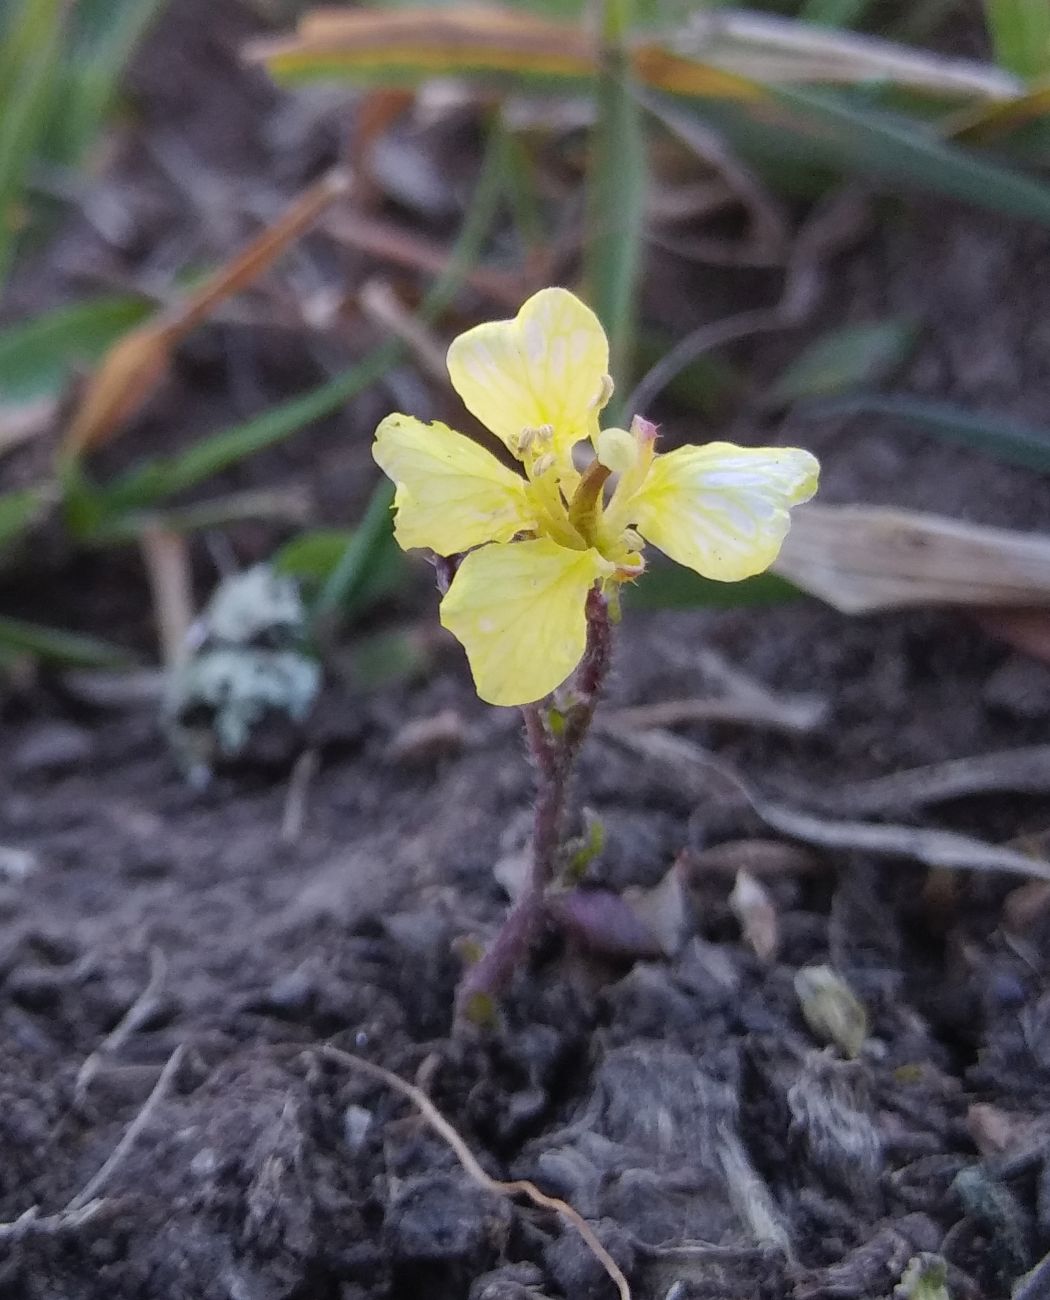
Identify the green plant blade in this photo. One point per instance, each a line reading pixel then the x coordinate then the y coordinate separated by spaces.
pixel 70 649
pixel 616 214
pixel 37 356
pixel 156 480
pixel 1005 439
pixel 845 358
pixel 33 49
pixel 106 33
pixel 367 551
pixel 1020 32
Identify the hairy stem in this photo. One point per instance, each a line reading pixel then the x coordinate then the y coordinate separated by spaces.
pixel 553 750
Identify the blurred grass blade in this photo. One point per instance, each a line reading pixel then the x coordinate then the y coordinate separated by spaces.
pixel 404 47
pixel 672 587
pixel 1020 32
pixel 90 508
pixel 817 128
pixel 342 591
pixel 616 191
pixel 38 355
pixel 137 363
pixel 55 646
pixel 863 558
pixel 32 49
pixel 19 510
pixel 106 33
pixel 997 436
pixel 843 359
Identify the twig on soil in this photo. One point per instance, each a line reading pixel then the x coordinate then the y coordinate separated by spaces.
pixel 761 858
pixel 688 763
pixel 834 223
pixel 30 1223
pixel 799 715
pixel 135 1016
pixel 517 1187
pixel 1025 769
pixel 387 243
pixel 131 1134
pixel 299 783
pixel 166 557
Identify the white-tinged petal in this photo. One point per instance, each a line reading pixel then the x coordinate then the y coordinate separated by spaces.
pixel 546 367
pixel 720 509
pixel 519 612
pixel 451 494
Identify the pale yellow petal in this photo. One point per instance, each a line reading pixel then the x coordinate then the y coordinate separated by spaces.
pixel 547 366
pixel 451 493
pixel 518 611
pixel 720 509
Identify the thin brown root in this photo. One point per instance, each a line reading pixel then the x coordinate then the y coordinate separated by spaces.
pixel 463 1153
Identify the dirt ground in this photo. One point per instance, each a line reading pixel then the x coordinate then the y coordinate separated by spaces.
pixel 683 1106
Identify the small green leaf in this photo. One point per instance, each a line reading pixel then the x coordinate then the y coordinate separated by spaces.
pixel 845 358
pixel 314 556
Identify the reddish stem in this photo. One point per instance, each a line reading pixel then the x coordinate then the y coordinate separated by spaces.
pixel 554 752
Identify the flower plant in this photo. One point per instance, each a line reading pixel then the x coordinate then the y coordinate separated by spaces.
pixel 534 546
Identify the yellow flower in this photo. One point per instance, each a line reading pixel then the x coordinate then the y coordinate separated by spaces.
pixel 541 535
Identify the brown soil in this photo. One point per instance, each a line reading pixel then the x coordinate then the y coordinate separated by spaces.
pixel 682 1106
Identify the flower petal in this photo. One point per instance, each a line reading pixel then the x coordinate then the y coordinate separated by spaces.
pixel 721 509
pixel 452 494
pixel 547 366
pixel 518 611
